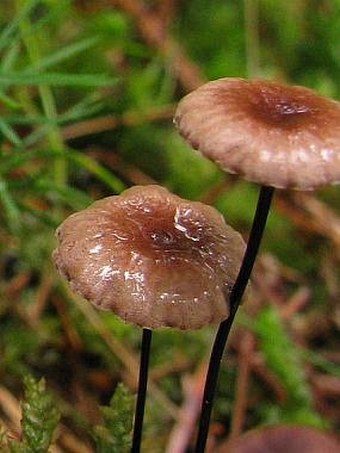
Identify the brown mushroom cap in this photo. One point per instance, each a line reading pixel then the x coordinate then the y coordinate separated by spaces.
pixel 152 258
pixel 273 134
pixel 282 439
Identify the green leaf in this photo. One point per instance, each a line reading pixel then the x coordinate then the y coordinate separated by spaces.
pixel 285 360
pixel 115 433
pixel 39 418
pixel 281 356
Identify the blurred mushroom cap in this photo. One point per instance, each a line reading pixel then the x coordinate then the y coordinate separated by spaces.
pixel 282 439
pixel 273 134
pixel 152 258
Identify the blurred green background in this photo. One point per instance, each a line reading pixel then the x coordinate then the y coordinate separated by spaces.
pixel 87 94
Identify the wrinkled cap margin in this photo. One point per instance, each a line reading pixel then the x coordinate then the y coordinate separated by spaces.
pixel 273 134
pixel 152 258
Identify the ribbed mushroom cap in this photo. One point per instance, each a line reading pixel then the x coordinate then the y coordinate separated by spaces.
pixel 282 439
pixel 152 258
pixel 273 134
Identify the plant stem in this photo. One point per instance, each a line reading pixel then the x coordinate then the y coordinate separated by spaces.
pixel 256 233
pixel 142 387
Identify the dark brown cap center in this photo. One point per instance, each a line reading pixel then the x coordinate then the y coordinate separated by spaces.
pixel 278 109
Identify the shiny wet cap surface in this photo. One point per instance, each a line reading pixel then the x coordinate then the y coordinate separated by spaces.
pixel 152 258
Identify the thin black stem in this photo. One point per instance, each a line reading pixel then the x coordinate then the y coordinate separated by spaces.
pixel 256 233
pixel 142 387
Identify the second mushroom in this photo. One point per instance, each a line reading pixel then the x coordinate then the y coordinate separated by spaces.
pixel 276 135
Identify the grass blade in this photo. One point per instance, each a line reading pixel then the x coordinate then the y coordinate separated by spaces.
pixel 10 209
pixel 9 133
pixel 104 175
pixel 11 27
pixel 63 54
pixel 9 102
pixel 10 57
pixel 55 79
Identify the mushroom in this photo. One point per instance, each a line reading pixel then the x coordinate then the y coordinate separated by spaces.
pixel 276 135
pixel 273 134
pixel 153 259
pixel 282 439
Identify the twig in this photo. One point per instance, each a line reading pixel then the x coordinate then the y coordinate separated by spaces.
pixel 328 386
pixel 311 215
pixel 326 221
pixel 165 10
pixel 41 298
pixel 108 122
pixel 17 284
pixel 180 436
pixel 246 351
pixel 10 406
pixel 295 303
pixel 268 377
pixel 122 352
pixel 69 328
pixel 151 29
pixel 130 173
pixel 69 442
pixel 177 365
